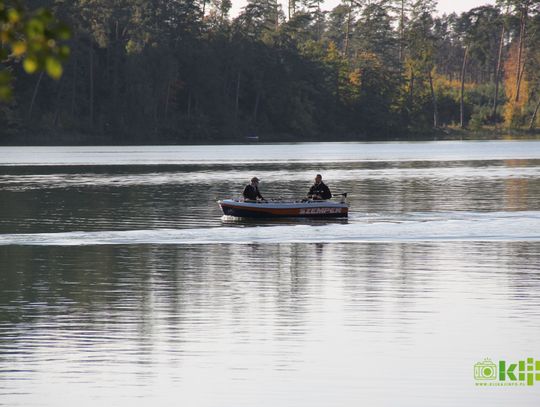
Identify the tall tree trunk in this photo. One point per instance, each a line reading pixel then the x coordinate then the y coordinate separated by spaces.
pixel 292 8
pixel 189 105
pixel 348 30
pixel 256 106
pixel 237 98
pixel 319 20
pixel 434 101
pixel 533 118
pixel 522 71
pixel 156 113
pixel 75 76
pixel 116 64
pixel 91 84
pixel 411 87
pixel 226 86
pixel 57 104
pixel 34 95
pixel 497 76
pixel 520 68
pixel 401 29
pixel 167 98
pixel 461 101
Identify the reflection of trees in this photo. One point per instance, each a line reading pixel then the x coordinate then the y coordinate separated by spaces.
pixel 382 282
pixel 75 296
pixel 147 301
pixel 444 190
pixel 523 261
pixel 157 296
pixel 190 199
pixel 516 194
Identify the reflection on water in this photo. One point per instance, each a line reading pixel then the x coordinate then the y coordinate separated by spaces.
pixel 124 285
pixel 260 324
pixel 141 198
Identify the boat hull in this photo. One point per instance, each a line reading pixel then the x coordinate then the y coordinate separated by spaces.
pixel 310 209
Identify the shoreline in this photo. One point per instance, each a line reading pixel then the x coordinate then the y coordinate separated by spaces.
pixel 441 134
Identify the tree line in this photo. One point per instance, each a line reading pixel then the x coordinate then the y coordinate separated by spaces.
pixel 153 71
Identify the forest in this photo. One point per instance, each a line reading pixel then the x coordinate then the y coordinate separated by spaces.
pixel 187 71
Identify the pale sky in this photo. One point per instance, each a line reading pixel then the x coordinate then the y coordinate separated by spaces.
pixel 445 6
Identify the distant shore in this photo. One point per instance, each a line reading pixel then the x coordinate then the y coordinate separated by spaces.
pixel 483 133
pixel 53 138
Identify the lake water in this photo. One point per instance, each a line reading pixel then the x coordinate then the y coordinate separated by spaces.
pixel 121 284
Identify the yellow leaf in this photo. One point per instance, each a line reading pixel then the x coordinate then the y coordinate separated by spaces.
pixel 355 77
pixel 13 16
pixel 30 64
pixel 53 67
pixel 18 48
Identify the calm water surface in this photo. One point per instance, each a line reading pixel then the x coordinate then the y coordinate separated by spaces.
pixel 122 284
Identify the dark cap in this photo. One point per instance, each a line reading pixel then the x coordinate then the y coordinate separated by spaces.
pixel 254 179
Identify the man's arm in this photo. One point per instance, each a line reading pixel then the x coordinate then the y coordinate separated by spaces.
pixel 327 194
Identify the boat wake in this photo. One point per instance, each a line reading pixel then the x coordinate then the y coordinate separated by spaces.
pixel 416 227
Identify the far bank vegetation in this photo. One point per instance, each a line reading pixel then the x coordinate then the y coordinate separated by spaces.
pixel 185 71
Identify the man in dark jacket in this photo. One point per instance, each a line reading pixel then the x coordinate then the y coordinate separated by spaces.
pixel 319 190
pixel 251 191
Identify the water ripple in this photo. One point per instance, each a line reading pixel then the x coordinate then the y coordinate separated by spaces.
pixel 502 226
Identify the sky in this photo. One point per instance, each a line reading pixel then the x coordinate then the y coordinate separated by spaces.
pixel 445 6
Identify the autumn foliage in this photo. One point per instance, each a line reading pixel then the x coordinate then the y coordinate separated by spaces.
pixel 515 108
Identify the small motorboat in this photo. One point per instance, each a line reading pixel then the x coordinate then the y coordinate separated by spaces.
pixel 279 209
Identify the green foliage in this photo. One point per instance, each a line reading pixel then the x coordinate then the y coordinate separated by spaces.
pixel 35 37
pixel 5 82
